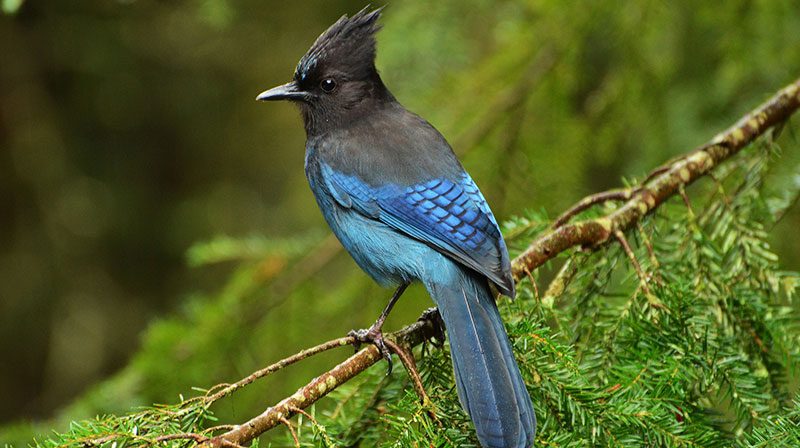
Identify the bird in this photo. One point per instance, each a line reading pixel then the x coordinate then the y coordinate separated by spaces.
pixel 395 195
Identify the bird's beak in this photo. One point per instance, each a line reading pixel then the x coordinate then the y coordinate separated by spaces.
pixel 289 91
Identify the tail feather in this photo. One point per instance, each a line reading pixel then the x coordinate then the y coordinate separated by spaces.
pixel 488 379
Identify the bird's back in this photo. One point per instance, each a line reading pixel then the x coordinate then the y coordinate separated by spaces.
pixel 388 145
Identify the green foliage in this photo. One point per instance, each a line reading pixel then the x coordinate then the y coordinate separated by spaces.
pixel 598 90
pixel 708 357
pixel 776 430
pixel 10 6
pixel 140 429
pixel 224 248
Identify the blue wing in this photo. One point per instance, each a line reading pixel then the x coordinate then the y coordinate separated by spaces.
pixel 452 216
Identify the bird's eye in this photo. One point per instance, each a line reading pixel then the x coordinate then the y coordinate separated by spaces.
pixel 327 85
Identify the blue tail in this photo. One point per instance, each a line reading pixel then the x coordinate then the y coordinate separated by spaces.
pixel 490 385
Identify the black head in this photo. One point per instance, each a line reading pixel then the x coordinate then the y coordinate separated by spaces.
pixel 336 80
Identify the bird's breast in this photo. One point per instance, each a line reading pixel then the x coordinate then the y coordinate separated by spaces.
pixel 372 244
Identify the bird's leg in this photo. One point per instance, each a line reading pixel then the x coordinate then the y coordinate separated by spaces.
pixel 374 334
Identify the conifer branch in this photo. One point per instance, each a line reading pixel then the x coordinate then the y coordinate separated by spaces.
pixel 410 336
pixel 664 182
pixel 407 358
pixel 227 389
pixel 643 278
pixel 620 194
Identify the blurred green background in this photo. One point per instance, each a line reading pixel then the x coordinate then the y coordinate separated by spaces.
pixel 129 133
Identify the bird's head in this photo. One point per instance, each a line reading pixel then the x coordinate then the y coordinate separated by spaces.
pixel 336 79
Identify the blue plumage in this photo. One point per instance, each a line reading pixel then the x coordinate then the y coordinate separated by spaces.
pixel 452 216
pixel 399 201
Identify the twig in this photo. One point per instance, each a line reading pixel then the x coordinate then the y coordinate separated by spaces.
pixel 218 428
pixel 305 414
pixel 189 436
pixel 622 194
pixel 632 257
pixel 686 201
pixel 560 282
pixel 651 253
pixel 314 422
pixel 197 438
pixel 533 284
pixel 288 424
pixel 89 441
pixel 411 368
pixel 229 389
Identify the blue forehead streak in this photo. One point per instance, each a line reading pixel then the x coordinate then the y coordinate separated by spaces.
pixel 305 66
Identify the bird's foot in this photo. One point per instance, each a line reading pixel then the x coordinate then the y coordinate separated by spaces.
pixel 432 315
pixel 373 335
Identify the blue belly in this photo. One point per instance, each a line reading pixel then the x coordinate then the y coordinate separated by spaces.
pixel 387 255
pixel 375 247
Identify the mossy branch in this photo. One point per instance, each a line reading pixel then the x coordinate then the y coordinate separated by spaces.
pixel 660 185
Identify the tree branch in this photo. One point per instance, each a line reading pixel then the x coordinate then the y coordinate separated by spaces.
pixel 621 194
pixel 410 336
pixel 662 183
pixel 647 197
pixel 227 389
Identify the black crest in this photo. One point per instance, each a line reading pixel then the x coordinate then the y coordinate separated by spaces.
pixel 348 46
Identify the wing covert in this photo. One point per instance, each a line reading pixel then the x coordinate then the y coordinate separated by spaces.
pixel 452 216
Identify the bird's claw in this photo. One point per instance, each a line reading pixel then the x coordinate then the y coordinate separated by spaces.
pixel 373 336
pixel 432 315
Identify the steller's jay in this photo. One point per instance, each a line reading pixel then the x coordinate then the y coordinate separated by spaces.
pixel 392 190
